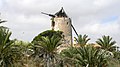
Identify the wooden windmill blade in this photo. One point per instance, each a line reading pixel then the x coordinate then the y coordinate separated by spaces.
pixel 51 15
pixel 73 28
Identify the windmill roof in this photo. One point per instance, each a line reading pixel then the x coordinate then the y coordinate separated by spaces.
pixel 61 13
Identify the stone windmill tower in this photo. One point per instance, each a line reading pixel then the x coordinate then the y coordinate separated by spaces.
pixel 63 23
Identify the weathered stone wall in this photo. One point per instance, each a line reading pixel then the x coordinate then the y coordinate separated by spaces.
pixel 64 24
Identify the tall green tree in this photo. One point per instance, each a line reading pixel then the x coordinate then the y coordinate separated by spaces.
pixel 49 34
pixel 5 45
pixel 45 47
pixel 68 57
pixel 82 40
pixel 87 56
pixel 106 43
pixel 95 57
pixel 117 55
pixel 2 21
pixel 23 51
pixel 49 47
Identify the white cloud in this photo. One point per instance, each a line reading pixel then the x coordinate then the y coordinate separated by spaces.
pixel 100 28
pixel 103 3
pixel 25 19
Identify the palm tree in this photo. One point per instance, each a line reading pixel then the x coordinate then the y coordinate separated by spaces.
pixel 49 34
pixel 23 51
pixel 87 56
pixel 68 57
pixel 48 46
pixel 5 46
pixel 82 40
pixel 40 52
pixel 117 55
pixel 106 43
pixel 2 21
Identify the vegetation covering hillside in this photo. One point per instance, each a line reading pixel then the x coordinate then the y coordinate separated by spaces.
pixel 42 51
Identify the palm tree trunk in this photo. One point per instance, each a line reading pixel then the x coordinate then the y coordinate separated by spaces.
pixel 48 60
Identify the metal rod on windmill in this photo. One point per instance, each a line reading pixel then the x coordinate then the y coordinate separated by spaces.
pixel 48 14
pixel 74 29
pixel 53 16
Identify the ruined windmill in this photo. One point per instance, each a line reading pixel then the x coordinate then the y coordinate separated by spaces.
pixel 61 22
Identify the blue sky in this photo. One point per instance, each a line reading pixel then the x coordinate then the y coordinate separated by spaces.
pixel 110 19
pixel 92 17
